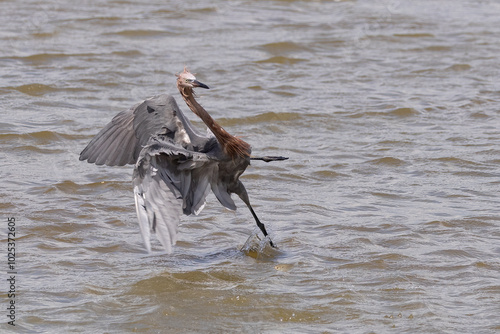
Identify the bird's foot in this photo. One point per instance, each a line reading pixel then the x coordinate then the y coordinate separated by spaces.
pixel 271 243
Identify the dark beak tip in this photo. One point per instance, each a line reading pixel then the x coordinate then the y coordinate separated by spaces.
pixel 200 85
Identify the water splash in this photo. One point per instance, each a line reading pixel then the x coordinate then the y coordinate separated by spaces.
pixel 258 248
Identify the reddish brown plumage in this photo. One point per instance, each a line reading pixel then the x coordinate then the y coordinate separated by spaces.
pixel 233 146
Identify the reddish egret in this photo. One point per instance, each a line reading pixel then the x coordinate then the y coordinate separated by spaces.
pixel 175 165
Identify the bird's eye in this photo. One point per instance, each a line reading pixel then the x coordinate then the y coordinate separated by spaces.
pixel 189 80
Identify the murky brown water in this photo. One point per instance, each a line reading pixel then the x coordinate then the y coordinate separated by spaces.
pixel 387 215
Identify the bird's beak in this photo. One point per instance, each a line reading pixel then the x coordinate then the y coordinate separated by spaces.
pixel 196 83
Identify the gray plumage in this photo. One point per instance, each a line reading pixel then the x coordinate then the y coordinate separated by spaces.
pixel 175 165
pixel 120 141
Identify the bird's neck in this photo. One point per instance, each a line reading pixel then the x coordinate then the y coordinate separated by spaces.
pixel 234 147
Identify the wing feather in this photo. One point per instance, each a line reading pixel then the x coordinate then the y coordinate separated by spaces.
pixel 123 155
pixel 142 215
pixel 158 209
pixel 121 141
pixel 164 190
pixel 113 148
pixel 104 147
pixel 223 195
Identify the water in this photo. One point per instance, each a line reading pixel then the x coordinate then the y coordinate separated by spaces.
pixel 386 216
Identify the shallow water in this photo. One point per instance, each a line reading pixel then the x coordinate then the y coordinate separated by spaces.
pixel 386 216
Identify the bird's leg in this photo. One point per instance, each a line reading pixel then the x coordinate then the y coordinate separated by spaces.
pixel 242 193
pixel 260 225
pixel 269 158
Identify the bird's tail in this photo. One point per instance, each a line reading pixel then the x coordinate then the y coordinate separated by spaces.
pixel 269 158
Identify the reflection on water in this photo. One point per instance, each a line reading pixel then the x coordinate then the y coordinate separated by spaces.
pixel 386 215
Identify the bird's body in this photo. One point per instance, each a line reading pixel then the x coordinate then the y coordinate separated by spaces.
pixel 175 165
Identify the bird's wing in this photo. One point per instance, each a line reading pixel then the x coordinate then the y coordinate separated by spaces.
pixel 121 141
pixel 158 210
pixel 169 180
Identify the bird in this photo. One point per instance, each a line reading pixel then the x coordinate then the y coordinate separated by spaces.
pixel 175 165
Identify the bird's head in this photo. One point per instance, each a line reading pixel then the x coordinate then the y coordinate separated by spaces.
pixel 187 80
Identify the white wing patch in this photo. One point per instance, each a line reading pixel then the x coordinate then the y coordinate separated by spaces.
pixel 181 135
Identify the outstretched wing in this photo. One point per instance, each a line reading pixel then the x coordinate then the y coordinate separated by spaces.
pixel 121 141
pixel 169 180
